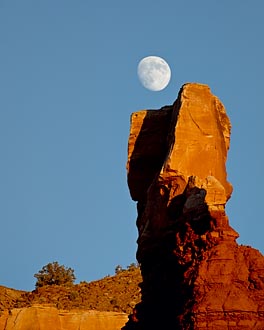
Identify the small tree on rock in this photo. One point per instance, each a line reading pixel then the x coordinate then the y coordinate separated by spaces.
pixel 133 266
pixel 54 274
pixel 118 269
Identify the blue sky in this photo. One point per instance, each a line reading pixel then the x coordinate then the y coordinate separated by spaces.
pixel 68 82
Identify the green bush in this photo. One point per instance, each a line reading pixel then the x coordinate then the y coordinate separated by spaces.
pixel 54 274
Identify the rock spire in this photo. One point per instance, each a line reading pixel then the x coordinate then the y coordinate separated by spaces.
pixel 195 275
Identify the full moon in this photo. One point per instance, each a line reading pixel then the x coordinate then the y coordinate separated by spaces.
pixel 154 73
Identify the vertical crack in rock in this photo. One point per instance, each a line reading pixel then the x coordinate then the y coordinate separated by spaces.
pixel 195 275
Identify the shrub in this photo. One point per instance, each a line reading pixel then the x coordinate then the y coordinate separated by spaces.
pixel 118 269
pixel 54 274
pixel 74 295
pixel 133 266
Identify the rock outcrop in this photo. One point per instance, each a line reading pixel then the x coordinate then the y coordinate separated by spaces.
pixel 195 275
pixel 101 305
pixel 40 317
pixel 118 293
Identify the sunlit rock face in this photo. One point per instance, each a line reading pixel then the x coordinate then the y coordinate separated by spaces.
pixel 40 317
pixel 195 275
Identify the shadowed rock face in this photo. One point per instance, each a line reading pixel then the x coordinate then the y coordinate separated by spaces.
pixel 195 275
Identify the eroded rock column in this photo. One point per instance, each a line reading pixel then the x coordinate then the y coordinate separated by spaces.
pixel 186 247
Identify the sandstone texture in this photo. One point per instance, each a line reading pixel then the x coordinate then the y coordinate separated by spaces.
pixel 41 317
pixel 195 275
pixel 102 304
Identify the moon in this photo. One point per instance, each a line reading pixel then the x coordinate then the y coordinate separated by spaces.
pixel 154 73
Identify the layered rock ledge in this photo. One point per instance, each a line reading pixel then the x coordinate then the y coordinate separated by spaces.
pixel 41 317
pixel 195 275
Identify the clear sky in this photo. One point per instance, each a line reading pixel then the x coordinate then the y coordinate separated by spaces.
pixel 68 84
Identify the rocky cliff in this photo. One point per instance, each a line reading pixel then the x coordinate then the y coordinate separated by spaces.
pixel 100 305
pixel 195 275
pixel 40 317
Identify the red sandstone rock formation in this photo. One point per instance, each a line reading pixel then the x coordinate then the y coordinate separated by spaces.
pixel 40 317
pixel 97 305
pixel 195 275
